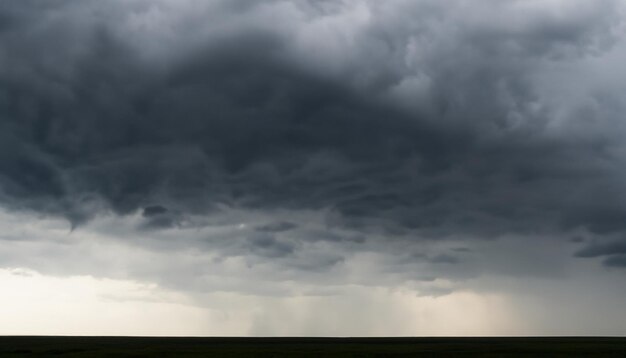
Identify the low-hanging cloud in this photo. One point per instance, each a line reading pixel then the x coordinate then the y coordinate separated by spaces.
pixel 421 120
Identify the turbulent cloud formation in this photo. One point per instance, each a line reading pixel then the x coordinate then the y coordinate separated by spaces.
pixel 432 140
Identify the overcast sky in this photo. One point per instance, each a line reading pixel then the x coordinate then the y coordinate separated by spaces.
pixel 313 167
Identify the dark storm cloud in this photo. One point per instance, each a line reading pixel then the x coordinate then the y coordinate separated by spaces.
pixel 241 120
pixel 266 245
pixel 445 259
pixel 232 124
pixel 615 261
pixel 154 210
pixel 603 249
pixel 277 227
pixel 611 250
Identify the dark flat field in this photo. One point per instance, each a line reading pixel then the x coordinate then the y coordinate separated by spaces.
pixel 310 347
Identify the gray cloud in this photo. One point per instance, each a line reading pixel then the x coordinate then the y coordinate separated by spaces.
pixel 616 261
pixel 277 227
pixel 613 251
pixel 407 123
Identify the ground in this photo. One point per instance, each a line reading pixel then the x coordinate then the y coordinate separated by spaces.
pixel 310 347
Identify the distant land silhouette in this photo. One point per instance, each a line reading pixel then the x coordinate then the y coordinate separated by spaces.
pixel 42 346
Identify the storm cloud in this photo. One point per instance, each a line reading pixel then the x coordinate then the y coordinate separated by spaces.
pixel 241 120
pixel 456 140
